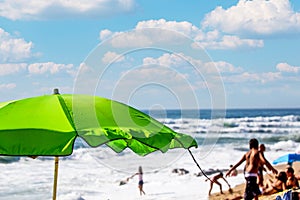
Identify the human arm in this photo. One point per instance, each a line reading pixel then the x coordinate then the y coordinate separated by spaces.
pixel 266 162
pixel 236 165
pixel 133 175
pixel 283 185
pixel 226 182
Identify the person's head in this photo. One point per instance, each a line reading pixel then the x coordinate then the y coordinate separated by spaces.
pixel 262 147
pixel 230 165
pixel 282 176
pixel 253 143
pixel 289 171
pixel 140 169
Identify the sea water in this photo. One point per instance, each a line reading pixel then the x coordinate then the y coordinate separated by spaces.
pixel 95 173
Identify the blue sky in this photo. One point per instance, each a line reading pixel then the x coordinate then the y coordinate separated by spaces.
pixel 235 54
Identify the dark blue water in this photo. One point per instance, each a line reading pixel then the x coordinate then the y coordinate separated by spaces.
pixel 234 126
pixel 229 113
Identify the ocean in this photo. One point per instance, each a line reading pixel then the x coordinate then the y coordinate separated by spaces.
pixel 95 173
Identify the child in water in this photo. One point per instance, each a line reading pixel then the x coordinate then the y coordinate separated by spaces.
pixel 141 182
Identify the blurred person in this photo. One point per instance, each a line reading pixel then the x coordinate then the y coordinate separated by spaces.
pixel 214 180
pixel 253 159
pixel 261 168
pixel 277 185
pixel 292 181
pixel 141 181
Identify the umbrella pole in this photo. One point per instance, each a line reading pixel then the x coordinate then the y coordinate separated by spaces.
pixel 55 178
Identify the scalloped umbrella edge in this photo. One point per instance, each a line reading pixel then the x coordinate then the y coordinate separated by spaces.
pixel 48 126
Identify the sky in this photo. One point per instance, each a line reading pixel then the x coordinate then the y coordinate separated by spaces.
pixel 159 54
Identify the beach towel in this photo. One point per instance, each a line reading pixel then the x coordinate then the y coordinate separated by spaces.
pixel 286 196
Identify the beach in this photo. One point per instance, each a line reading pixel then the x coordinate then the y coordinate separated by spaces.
pixel 95 173
pixel 238 191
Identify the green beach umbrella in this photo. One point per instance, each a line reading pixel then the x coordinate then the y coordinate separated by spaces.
pixel 48 126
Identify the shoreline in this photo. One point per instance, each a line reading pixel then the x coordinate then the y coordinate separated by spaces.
pixel 238 190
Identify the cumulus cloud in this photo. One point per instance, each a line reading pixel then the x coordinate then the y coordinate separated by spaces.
pixel 167 60
pixel 7 86
pixel 229 42
pixel 223 67
pixel 255 16
pixel 112 57
pixel 180 60
pixel 14 49
pixel 36 68
pixel 161 31
pixel 284 67
pixel 152 76
pixel 53 68
pixel 105 34
pixel 253 77
pixel 182 27
pixel 12 68
pixel 53 9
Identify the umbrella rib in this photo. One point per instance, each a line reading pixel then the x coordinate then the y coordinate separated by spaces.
pixel 66 111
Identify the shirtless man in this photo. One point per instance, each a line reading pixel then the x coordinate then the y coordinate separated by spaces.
pixel 253 159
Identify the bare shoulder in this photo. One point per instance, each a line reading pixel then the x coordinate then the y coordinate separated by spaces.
pixel 247 154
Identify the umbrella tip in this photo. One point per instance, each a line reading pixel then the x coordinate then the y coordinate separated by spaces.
pixel 55 91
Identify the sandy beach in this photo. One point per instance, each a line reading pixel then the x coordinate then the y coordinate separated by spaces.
pixel 238 190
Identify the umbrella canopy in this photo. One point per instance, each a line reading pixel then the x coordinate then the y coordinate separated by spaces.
pixel 48 126
pixel 288 158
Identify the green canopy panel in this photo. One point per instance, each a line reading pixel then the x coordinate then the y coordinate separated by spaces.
pixel 48 125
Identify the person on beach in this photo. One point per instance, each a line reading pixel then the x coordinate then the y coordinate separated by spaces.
pixel 253 159
pixel 214 179
pixel 278 185
pixel 141 182
pixel 292 181
pixel 261 167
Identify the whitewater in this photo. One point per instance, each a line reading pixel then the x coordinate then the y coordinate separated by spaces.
pixel 95 173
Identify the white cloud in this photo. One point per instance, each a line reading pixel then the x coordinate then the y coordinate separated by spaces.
pixel 53 68
pixel 36 68
pixel 253 77
pixel 134 39
pixel 112 57
pixel 284 67
pixel 229 42
pixel 155 74
pixel 14 49
pixel 182 27
pixel 255 16
pixel 53 9
pixel 167 60
pixel 105 34
pixel 6 69
pixel 180 60
pixel 223 67
pixel 147 33
pixel 152 76
pixel 7 86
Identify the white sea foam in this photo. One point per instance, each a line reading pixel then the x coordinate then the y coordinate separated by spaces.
pixel 95 173
pixel 84 176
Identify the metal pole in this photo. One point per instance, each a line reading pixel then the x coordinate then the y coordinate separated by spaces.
pixel 55 178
